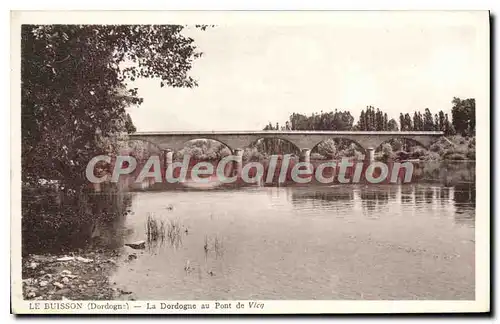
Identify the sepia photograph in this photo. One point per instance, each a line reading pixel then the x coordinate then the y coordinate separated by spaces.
pixel 250 162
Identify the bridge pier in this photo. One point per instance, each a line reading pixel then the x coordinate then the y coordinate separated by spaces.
pixel 168 158
pixel 305 155
pixel 370 155
pixel 238 164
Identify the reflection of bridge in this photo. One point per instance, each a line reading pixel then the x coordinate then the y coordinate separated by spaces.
pixel 236 141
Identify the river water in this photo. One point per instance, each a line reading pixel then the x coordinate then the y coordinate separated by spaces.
pixel 412 241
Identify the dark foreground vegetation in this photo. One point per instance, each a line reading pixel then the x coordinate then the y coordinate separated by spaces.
pixel 75 91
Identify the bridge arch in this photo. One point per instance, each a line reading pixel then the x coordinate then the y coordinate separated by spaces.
pixel 403 138
pixel 130 147
pixel 190 143
pixel 342 143
pixel 178 144
pixel 267 142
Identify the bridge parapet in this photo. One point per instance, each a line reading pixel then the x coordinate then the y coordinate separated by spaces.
pixel 301 139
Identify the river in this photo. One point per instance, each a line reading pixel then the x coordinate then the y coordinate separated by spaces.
pixel 412 241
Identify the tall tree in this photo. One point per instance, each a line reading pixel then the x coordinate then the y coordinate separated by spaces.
pixel 448 127
pixel 74 83
pixel 428 121
pixel 436 123
pixel 464 116
pixel 442 121
pixel 408 122
pixel 385 122
pixel 402 122
pixel 416 122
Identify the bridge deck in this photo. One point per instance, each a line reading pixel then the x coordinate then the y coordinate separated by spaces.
pixel 295 132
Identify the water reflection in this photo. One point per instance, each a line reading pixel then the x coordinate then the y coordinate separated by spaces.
pixel 459 200
pixel 319 242
pixel 308 242
pixel 55 221
pixel 465 202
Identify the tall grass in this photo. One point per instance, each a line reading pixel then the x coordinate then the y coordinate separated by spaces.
pixel 216 246
pixel 174 233
pixel 159 230
pixel 155 229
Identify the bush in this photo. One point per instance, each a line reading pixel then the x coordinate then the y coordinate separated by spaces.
pixel 397 145
pixel 387 153
pixel 472 143
pixel 318 156
pixel 418 152
pixel 253 154
pixel 438 147
pixel 402 155
pixel 431 156
pixel 327 148
pixel 455 156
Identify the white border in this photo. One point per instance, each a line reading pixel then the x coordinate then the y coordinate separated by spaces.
pixel 483 137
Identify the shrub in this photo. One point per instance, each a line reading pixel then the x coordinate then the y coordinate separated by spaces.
pixel 318 156
pixel 431 156
pixel 472 143
pixel 402 155
pixel 327 148
pixel 252 154
pixel 387 153
pixel 397 145
pixel 455 156
pixel 418 152
pixel 438 147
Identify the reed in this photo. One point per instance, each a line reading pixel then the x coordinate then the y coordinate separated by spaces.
pixel 218 246
pixel 155 229
pixel 174 232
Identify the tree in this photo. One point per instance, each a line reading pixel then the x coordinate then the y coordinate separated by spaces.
pixel 402 122
pixel 428 122
pixel 392 125
pixel 362 121
pixel 442 121
pixel 436 123
pixel 74 88
pixel 408 122
pixel 463 115
pixel 449 129
pixel 416 121
pixel 379 120
pixel 129 125
pixel 386 122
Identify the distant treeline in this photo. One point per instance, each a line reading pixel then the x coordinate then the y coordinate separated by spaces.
pixel 463 120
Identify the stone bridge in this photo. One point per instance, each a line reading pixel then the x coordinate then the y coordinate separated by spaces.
pixel 305 141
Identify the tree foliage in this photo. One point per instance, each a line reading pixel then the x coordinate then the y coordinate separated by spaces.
pixel 375 120
pixel 75 88
pixel 464 116
pixel 333 120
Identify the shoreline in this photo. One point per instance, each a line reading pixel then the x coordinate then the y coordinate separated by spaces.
pixel 70 276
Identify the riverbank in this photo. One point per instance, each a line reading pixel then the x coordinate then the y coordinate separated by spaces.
pixel 71 276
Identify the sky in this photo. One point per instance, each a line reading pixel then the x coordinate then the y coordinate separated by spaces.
pixel 252 74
